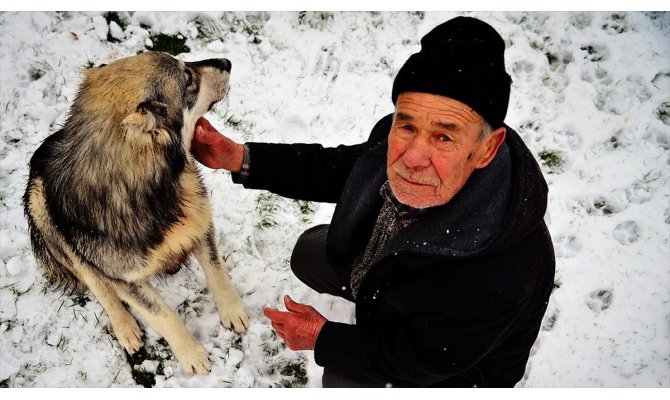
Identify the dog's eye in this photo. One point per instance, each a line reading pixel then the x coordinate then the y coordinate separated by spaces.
pixel 189 77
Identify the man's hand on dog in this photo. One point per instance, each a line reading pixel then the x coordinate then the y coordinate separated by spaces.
pixel 299 326
pixel 214 150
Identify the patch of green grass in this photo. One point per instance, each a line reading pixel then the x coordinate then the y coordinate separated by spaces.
pixel 171 44
pixel 194 306
pixel 250 24
pixel 305 207
pixel 266 206
pixel 107 330
pixel 272 346
pixel 208 29
pixel 113 16
pixel 663 113
pixel 237 343
pixel 63 15
pixel 140 375
pixel 617 24
pixel 89 64
pixel 604 207
pixel 552 58
pixel 553 160
pixel 62 343
pixel 306 210
pixel 315 19
pixel 293 372
pixel 81 301
pixel 250 29
pixel 144 378
pixel 39 69
pixel 35 73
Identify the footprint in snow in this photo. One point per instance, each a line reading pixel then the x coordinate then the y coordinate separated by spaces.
pixel 599 300
pixel 626 232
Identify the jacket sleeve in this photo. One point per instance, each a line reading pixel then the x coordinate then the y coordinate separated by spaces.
pixel 422 348
pixel 306 171
pixel 300 171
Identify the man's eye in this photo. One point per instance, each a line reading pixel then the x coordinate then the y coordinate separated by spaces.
pixel 444 138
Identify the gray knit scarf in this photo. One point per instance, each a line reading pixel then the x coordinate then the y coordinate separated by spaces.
pixel 392 218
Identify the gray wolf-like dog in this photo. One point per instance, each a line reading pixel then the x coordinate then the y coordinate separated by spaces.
pixel 115 198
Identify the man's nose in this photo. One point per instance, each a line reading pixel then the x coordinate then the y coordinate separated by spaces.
pixel 418 153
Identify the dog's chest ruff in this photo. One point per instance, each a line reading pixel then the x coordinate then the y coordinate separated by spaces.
pixel 184 235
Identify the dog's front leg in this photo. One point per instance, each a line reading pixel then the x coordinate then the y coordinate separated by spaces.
pixel 231 308
pixel 125 328
pixel 142 297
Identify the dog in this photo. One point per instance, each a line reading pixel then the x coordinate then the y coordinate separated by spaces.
pixel 115 198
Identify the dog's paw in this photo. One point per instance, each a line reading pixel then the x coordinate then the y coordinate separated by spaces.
pixel 128 334
pixel 234 316
pixel 193 358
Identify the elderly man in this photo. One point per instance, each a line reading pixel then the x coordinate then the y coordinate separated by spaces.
pixel 438 234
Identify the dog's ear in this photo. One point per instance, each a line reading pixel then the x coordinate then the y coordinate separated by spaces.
pixel 144 123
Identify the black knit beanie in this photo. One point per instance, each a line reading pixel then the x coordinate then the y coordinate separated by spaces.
pixel 464 59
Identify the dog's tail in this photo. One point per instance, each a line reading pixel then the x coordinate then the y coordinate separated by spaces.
pixel 53 262
pixel 50 256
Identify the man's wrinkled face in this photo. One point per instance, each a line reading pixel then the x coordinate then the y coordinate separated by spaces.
pixel 434 146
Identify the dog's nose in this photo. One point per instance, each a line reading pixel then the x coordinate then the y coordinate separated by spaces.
pixel 223 64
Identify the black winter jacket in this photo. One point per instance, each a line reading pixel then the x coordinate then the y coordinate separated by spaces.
pixel 455 299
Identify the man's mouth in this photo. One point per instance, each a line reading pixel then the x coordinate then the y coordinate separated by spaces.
pixel 414 179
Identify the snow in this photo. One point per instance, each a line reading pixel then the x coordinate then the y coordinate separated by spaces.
pixel 589 87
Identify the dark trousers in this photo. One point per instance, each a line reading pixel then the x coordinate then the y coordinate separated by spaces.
pixel 310 264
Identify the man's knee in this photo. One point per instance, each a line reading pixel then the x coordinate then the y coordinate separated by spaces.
pixel 309 249
pixel 310 264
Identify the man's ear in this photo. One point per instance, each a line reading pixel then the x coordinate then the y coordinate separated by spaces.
pixel 490 147
pixel 144 123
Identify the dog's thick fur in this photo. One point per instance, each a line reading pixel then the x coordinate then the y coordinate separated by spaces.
pixel 114 198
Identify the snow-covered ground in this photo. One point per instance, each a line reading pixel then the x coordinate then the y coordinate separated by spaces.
pixel 591 98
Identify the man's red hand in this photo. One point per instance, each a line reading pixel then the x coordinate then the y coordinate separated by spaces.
pixel 214 150
pixel 299 326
